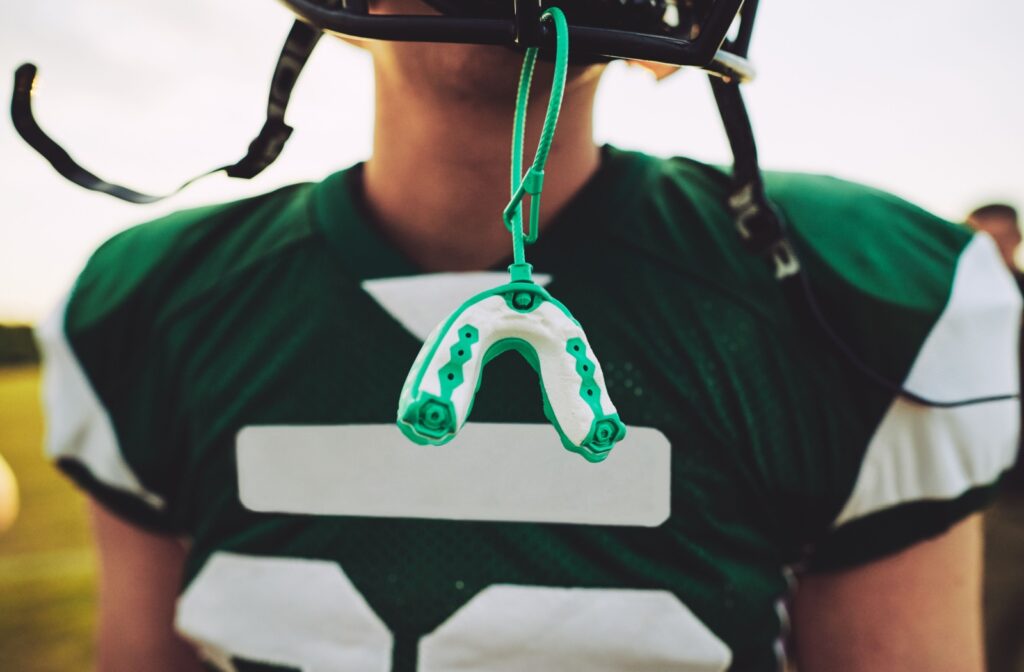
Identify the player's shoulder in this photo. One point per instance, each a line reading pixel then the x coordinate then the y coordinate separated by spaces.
pixel 177 257
pixel 802 190
pixel 826 210
pixel 852 232
pixel 917 300
pixel 842 218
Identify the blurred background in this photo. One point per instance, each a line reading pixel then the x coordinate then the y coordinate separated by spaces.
pixel 920 98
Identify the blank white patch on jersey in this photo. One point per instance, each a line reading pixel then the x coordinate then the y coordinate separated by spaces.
pixel 491 472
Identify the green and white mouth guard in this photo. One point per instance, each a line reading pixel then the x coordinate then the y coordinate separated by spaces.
pixel 438 393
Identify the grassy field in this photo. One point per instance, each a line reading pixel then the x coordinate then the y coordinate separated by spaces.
pixel 47 568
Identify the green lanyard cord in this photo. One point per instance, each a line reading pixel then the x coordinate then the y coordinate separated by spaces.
pixel 532 182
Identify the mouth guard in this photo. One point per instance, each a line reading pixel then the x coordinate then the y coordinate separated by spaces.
pixel 438 394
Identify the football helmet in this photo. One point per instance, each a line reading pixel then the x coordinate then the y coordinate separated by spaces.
pixel 676 32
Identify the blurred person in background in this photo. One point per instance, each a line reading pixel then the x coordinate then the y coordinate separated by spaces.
pixel 8 496
pixel 302 308
pixel 1004 523
pixel 1000 221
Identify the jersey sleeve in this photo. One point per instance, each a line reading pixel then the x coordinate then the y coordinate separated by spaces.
pixel 81 436
pixel 108 383
pixel 925 467
pixel 117 352
pixel 934 309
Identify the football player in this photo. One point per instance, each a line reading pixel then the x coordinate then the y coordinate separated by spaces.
pixel 807 443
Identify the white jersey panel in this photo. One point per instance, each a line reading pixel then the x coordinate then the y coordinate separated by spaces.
pixel 924 453
pixel 516 628
pixel 421 302
pixel 282 611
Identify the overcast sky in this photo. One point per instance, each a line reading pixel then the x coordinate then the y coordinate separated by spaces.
pixel 924 98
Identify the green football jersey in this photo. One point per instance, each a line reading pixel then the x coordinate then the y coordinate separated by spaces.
pixel 231 375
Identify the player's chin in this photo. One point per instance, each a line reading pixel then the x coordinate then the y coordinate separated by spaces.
pixel 470 71
pixel 408 7
pixel 479 68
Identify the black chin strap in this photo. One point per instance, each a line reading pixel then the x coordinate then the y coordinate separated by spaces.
pixel 760 226
pixel 763 231
pixel 263 150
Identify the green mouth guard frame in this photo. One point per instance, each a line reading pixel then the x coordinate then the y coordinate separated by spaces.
pixel 438 394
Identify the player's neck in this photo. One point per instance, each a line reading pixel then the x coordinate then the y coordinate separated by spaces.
pixel 439 176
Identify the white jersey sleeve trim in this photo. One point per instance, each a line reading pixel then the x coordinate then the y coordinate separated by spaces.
pixel 78 427
pixel 921 453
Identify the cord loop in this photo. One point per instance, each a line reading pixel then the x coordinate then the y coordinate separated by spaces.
pixel 532 181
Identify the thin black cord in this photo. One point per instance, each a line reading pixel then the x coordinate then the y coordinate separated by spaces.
pixel 811 300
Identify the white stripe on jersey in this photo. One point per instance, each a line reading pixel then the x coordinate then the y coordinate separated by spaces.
pixel 496 472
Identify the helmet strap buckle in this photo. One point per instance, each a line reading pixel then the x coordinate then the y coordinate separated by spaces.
pixel 762 230
pixel 528 22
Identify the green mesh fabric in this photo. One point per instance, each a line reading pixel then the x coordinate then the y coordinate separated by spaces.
pixel 252 313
